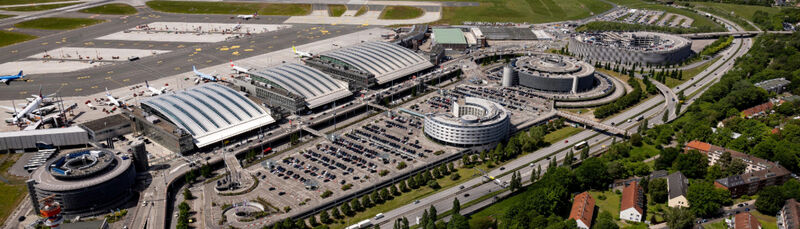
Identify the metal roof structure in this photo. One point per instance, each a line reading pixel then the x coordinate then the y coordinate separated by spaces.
pixel 210 112
pixel 449 36
pixel 315 86
pixel 385 61
pixel 73 135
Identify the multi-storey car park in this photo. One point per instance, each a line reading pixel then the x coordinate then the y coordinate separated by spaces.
pixel 473 121
pixel 554 73
pixel 369 64
pixel 85 182
pixel 631 47
pixel 293 88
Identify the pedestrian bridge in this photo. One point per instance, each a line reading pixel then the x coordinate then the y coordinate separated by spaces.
pixel 734 34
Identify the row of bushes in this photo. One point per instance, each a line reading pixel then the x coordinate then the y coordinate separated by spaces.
pixel 599 26
pixel 717 46
pixel 626 101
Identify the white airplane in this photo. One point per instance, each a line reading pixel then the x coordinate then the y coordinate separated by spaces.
pixel 301 53
pixel 154 91
pixel 247 16
pixel 112 101
pixel 31 108
pixel 238 69
pixel 7 79
pixel 203 76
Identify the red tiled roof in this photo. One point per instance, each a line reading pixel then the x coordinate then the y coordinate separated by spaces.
pixel 698 145
pixel 757 109
pixel 583 208
pixel 631 197
pixel 745 220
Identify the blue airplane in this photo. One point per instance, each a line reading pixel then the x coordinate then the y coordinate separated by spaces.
pixel 7 79
pixel 203 76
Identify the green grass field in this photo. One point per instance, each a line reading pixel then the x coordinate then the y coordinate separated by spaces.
pixel 610 204
pixel 361 11
pixel 229 8
pixel 336 10
pixel 561 134
pixel 8 38
pixel 5 16
pixel 10 193
pixel 17 2
pixel 767 222
pixel 496 210
pixel 734 12
pixel 716 225
pixel 401 12
pixel 113 8
pixel 532 11
pixel 38 8
pixel 57 23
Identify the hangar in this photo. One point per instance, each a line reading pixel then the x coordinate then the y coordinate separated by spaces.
pixel 293 87
pixel 370 63
pixel 208 113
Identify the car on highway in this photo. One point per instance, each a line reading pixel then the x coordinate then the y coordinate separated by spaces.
pixel 416 201
pixel 466 194
pixel 461 187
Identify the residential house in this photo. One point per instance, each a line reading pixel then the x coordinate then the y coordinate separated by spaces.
pixel 632 204
pixel 789 216
pixel 677 184
pixel 583 210
pixel 758 110
pixel 745 220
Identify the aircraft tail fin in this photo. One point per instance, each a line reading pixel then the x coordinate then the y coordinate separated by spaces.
pixel 193 68
pixel 146 84
pixel 20 73
pixel 294 50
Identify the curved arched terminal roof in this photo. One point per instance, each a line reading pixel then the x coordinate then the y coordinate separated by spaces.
pixel 315 86
pixel 385 61
pixel 210 112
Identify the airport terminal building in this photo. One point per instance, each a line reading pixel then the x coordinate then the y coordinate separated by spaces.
pixel 370 64
pixel 293 88
pixel 198 117
pixel 631 47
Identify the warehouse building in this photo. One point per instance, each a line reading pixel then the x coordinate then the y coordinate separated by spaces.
pixel 293 88
pixel 197 117
pixel 369 64
pixel 58 137
pixel 450 38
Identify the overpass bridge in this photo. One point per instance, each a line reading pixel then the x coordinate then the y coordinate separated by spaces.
pixel 734 34
pixel 594 124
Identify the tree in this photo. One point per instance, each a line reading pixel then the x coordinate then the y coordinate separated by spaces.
pixel 313 221
pixel 336 214
pixel 605 221
pixel 592 174
pixel 385 195
pixel 347 210
pixel 393 190
pixel 678 218
pixel 456 206
pixel 432 213
pixel 205 171
pixel 692 164
pixel 356 205
pixel 515 184
pixel 584 153
pixel 433 184
pixel 324 217
pixel 665 118
pixel 301 224
pixel 187 194
pixel 705 199
pixel 658 190
pixel 636 139
pixel 455 176
pixel 366 202
pixel 770 200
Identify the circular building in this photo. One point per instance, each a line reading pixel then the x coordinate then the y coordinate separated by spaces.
pixel 474 121
pixel 554 73
pixel 631 47
pixel 85 182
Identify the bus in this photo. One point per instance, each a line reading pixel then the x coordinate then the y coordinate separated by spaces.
pixel 580 145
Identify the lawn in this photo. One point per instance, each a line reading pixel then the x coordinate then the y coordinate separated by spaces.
pixel 767 222
pixel 495 210
pixel 8 38
pixel 716 225
pixel 361 11
pixel 17 2
pixel 113 8
pixel 643 152
pixel 39 7
pixel 10 194
pixel 745 11
pixel 409 197
pixel 57 23
pixel 401 12
pixel 610 204
pixel 699 20
pixel 562 133
pixel 5 16
pixel 336 10
pixel 229 8
pixel 531 11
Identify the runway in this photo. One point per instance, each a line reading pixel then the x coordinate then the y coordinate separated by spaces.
pixel 181 58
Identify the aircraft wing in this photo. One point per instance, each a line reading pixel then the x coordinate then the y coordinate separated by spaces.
pixel 10 109
pixel 4 81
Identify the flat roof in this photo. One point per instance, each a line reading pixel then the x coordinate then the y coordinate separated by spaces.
pixel 210 112
pixel 449 36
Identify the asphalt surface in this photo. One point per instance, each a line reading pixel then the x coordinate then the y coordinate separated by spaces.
pixel 180 60
pixel 652 109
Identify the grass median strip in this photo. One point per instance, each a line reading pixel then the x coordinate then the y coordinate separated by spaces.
pixel 57 23
pixel 8 38
pixel 401 12
pixel 5 16
pixel 186 7
pixel 113 9
pixel 336 10
pixel 38 7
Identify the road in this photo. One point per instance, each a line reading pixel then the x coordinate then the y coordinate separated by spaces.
pixel 478 187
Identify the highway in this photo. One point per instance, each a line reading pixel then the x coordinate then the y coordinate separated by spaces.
pixel 478 187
